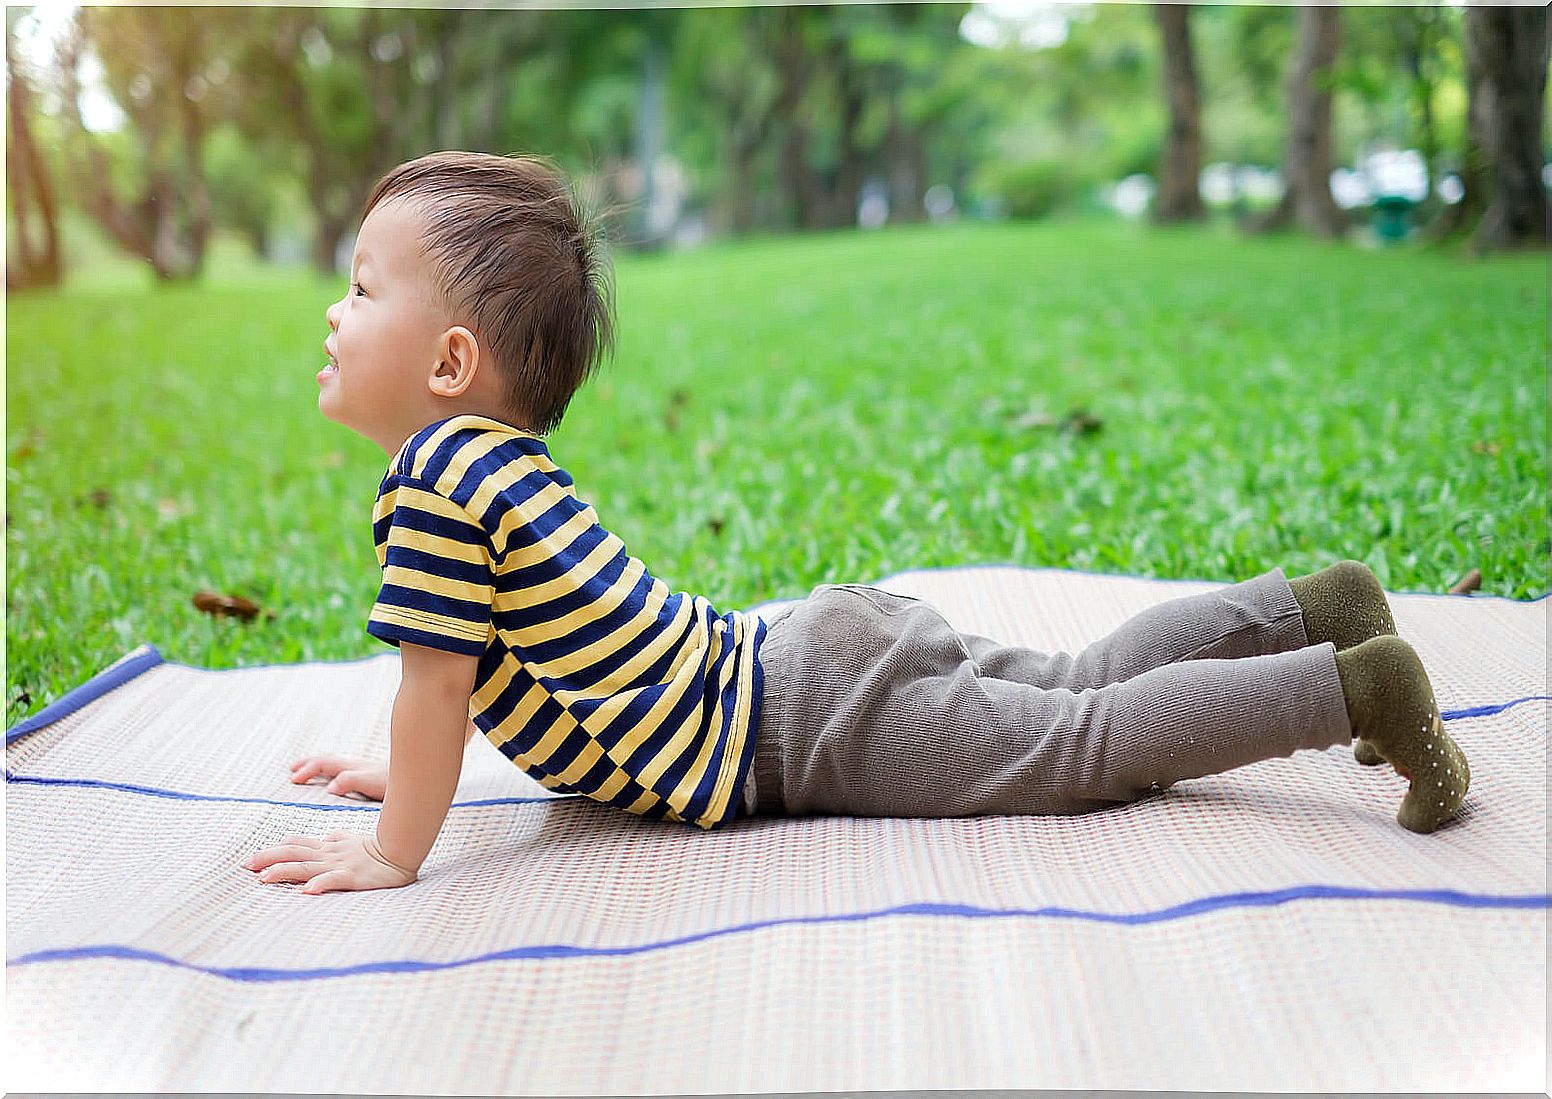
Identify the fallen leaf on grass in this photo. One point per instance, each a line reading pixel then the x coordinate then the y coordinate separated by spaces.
pixel 1469 583
pixel 1078 421
pixel 234 606
pixel 28 446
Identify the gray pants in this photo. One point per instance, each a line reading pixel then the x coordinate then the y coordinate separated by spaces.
pixel 875 706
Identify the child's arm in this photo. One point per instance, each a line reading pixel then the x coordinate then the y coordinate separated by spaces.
pixel 430 710
pixel 425 755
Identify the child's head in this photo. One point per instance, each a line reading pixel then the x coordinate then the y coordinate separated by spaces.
pixel 477 286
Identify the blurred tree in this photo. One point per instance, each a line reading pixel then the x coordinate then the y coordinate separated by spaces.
pixel 1459 218
pixel 320 98
pixel 726 78
pixel 1075 114
pixel 603 72
pixel 656 29
pixel 928 35
pixel 1508 48
pixel 32 206
pixel 798 32
pixel 1179 197
pixel 1417 32
pixel 853 91
pixel 363 90
pixel 1245 50
pixel 777 114
pixel 957 104
pixel 1307 161
pixel 850 76
pixel 165 69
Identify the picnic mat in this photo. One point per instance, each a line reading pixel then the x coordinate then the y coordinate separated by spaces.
pixel 1270 928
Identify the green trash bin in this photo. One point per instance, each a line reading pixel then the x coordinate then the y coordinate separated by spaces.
pixel 1392 217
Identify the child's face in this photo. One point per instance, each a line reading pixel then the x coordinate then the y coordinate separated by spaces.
pixel 387 338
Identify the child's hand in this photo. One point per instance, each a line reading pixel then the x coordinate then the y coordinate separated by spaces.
pixel 339 861
pixel 366 777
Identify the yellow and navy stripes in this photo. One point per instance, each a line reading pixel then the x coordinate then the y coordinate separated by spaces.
pixel 593 676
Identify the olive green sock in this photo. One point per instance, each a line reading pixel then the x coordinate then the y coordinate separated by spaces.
pixel 1390 703
pixel 1345 604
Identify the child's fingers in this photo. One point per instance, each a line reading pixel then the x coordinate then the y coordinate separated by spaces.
pixel 329 879
pixel 327 766
pixel 309 768
pixel 292 849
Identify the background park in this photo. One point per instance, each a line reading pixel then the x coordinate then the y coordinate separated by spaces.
pixel 1169 291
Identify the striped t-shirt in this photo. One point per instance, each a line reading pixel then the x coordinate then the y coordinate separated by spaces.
pixel 593 677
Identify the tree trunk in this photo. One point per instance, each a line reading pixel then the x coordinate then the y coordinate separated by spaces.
pixel 850 171
pixel 1511 50
pixel 649 143
pixel 904 160
pixel 36 265
pixel 325 244
pixel 133 227
pixel 1179 197
pixel 1459 218
pixel 504 50
pixel 745 140
pixel 191 171
pixel 797 179
pixel 169 226
pixel 1307 161
pixel 746 120
pixel 446 119
pixel 1420 39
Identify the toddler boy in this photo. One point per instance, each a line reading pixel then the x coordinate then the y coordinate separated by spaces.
pixel 477 306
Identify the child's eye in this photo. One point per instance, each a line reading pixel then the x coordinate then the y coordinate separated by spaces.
pixel 358 286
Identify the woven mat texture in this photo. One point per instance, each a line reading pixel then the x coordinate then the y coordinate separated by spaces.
pixel 1269 928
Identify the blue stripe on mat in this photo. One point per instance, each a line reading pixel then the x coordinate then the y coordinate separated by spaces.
pixel 120 671
pixel 375 807
pixel 561 950
pixel 140 659
pixel 179 795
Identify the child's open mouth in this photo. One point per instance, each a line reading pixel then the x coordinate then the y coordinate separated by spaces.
pixel 330 367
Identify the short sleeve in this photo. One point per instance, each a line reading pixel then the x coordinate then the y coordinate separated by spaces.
pixel 438 580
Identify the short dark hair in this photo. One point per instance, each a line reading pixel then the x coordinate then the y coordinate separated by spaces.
pixel 512 250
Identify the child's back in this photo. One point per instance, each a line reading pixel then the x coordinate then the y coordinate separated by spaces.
pixel 593 676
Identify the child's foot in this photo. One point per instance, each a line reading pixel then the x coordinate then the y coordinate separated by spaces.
pixel 1345 604
pixel 1390 703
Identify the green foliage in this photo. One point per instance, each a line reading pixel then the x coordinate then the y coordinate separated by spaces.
pixel 568 83
pixel 1035 188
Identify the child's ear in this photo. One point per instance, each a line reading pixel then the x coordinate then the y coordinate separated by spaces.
pixel 457 365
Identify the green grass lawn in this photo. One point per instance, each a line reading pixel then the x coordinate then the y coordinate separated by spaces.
pixel 791 411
